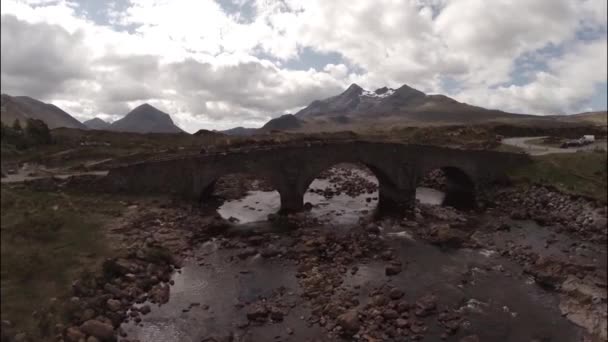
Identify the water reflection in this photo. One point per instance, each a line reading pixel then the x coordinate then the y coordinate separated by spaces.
pixel 340 209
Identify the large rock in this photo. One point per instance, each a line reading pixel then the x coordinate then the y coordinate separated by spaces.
pixel 450 237
pixel 74 334
pixel 101 330
pixel 349 321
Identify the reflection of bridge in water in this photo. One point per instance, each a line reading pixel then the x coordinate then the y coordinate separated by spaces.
pixel 291 169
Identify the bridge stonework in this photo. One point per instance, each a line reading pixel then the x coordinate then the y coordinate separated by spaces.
pixel 291 169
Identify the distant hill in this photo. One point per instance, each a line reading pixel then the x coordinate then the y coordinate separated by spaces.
pixel 240 131
pixel 145 119
pixel 23 107
pixel 598 118
pixel 282 123
pixel 97 123
pixel 208 133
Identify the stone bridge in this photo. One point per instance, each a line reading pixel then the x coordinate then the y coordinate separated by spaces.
pixel 291 169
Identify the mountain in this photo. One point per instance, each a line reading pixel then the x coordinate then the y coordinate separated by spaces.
pixel 97 123
pixel 23 107
pixel 240 131
pixel 145 119
pixel 285 122
pixel 403 105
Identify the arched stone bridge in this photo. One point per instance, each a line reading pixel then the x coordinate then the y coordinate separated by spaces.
pixel 291 169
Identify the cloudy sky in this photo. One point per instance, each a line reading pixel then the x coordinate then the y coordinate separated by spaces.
pixel 225 63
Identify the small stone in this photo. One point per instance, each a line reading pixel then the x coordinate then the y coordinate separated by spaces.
pixel 390 314
pixel 402 323
pixel 247 252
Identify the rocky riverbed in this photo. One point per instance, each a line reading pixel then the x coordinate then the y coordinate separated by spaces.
pixel 529 267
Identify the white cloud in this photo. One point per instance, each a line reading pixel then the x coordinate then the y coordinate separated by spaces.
pixel 563 88
pixel 212 69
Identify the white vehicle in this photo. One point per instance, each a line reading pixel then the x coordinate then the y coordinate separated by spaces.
pixel 588 138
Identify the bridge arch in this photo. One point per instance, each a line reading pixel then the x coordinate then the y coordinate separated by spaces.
pixel 396 189
pixel 357 181
pixel 457 184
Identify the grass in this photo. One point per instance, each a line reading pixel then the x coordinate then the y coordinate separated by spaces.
pixel 47 240
pixel 580 173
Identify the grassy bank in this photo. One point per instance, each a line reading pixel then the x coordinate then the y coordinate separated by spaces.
pixel 581 173
pixel 48 239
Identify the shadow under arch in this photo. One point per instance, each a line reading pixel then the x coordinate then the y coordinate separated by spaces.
pixel 459 188
pixel 233 187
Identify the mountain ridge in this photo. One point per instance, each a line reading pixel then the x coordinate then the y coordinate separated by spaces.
pixel 23 107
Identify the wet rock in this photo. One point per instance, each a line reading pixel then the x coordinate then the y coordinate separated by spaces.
pixel 276 314
pixel 247 252
pixel 92 339
pixel 390 314
pixel 403 306
pixel 447 236
pixel 101 330
pixel 470 338
pixel 87 314
pixel 392 269
pixel 395 293
pixel 227 337
pixel 372 228
pixel 402 323
pixel 73 334
pixel 270 251
pixel 257 312
pixel 426 305
pixel 114 304
pixel 349 321
pixel 145 309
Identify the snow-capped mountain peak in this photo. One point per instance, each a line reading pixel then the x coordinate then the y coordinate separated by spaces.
pixel 379 93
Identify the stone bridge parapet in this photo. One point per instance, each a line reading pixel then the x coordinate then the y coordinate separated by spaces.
pixel 291 169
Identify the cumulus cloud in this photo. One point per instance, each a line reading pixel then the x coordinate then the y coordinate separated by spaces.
pixel 212 67
pixel 40 59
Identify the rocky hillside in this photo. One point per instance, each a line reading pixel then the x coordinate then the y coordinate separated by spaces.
pixel 97 123
pixel 145 119
pixel 23 107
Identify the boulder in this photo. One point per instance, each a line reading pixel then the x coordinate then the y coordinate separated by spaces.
pixel 349 321
pixel 98 329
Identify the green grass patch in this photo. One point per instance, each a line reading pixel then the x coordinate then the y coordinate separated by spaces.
pixel 580 173
pixel 47 240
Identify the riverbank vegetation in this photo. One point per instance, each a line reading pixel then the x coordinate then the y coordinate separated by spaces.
pixel 580 173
